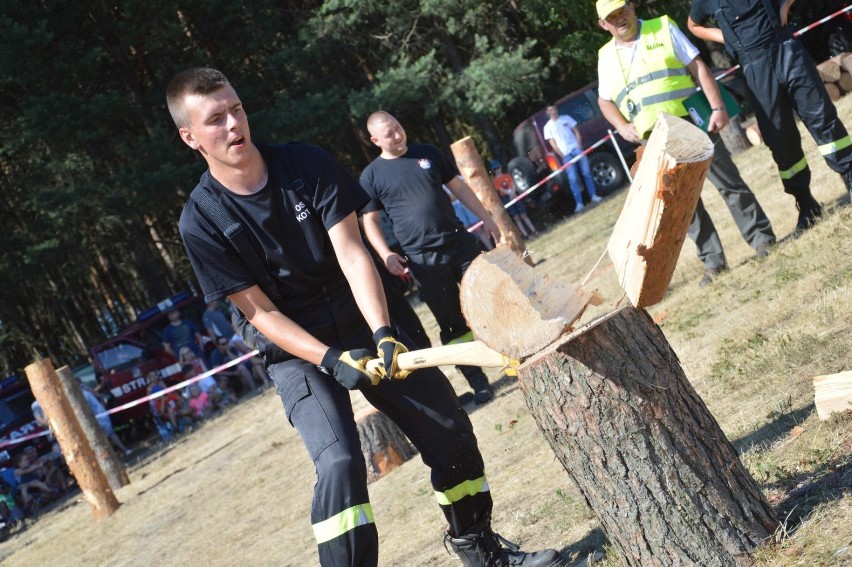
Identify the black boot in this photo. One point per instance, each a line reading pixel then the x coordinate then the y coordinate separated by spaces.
pixel 847 179
pixel 810 211
pixel 484 548
pixel 482 390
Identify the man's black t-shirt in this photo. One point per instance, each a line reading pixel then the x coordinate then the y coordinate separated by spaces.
pixel 409 188
pixel 289 224
pixel 752 26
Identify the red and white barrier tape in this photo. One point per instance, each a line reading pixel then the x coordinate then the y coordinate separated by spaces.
pixel 144 399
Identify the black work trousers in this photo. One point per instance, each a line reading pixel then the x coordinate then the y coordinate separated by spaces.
pixel 438 274
pixel 783 79
pixel 424 406
pixel 748 215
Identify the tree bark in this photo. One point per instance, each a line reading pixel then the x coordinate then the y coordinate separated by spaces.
pixel 734 136
pixel 665 483
pixel 112 467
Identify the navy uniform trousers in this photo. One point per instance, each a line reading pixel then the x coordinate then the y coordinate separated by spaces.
pixel 748 215
pixel 783 79
pixel 438 274
pixel 424 406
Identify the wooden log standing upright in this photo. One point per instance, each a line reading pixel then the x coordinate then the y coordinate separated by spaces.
pixel 663 480
pixel 383 443
pixel 647 238
pixel 476 176
pixel 112 467
pixel 80 458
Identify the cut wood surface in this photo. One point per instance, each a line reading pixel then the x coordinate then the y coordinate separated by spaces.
pixel 844 60
pixel 647 238
pixel 753 134
pixel 833 393
pixel 829 71
pixel 383 444
pixel 845 82
pixel 514 309
pixel 833 91
pixel 651 461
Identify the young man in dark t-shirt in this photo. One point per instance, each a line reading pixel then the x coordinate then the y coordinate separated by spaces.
pixel 329 318
pixel 407 182
pixel 782 80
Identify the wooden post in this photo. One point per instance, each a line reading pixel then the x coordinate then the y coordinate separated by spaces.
pixel 110 464
pixel 647 238
pixel 476 176
pixel 665 483
pixel 80 458
pixel 383 443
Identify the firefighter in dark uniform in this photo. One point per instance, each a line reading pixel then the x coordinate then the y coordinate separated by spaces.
pixel 782 79
pixel 328 320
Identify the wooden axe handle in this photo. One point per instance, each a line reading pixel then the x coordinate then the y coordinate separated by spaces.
pixel 474 353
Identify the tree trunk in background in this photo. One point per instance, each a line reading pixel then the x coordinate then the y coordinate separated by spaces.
pixel 665 483
pixel 734 136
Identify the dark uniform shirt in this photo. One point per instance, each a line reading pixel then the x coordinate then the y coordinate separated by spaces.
pixel 753 27
pixel 409 188
pixel 289 223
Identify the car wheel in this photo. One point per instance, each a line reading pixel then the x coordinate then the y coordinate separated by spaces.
pixel 606 171
pixel 838 42
pixel 523 173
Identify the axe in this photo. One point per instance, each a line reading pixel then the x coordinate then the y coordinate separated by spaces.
pixel 474 353
pixel 511 309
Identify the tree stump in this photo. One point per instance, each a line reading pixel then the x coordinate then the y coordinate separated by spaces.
pixel 753 134
pixel 665 483
pixel 383 444
pixel 734 136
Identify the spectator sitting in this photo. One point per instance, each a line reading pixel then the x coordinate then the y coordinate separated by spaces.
pixel 224 354
pixel 199 402
pixel 209 385
pixel 49 470
pixel 168 408
pixel 27 478
pixel 255 363
pixel 187 357
pixel 10 514
pixel 179 333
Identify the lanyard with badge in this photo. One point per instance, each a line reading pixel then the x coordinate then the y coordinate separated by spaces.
pixel 631 106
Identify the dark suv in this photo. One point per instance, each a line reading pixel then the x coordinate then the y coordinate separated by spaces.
pixel 17 421
pixel 533 159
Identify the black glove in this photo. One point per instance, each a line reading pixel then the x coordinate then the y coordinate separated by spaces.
pixel 389 348
pixel 350 367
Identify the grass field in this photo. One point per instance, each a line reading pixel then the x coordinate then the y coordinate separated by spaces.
pixel 238 490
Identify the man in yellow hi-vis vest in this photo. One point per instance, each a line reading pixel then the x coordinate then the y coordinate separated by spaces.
pixel 650 67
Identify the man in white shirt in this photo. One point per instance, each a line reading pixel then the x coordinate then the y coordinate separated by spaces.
pixel 562 134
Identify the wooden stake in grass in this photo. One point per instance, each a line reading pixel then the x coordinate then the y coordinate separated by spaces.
pixel 476 176
pixel 79 456
pixel 647 238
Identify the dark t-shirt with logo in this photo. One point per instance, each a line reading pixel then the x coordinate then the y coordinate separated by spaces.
pixel 409 189
pixel 288 223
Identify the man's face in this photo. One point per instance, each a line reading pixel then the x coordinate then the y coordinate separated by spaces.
pixel 552 112
pixel 390 137
pixel 622 23
pixel 218 127
pixel 174 315
pixel 222 345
